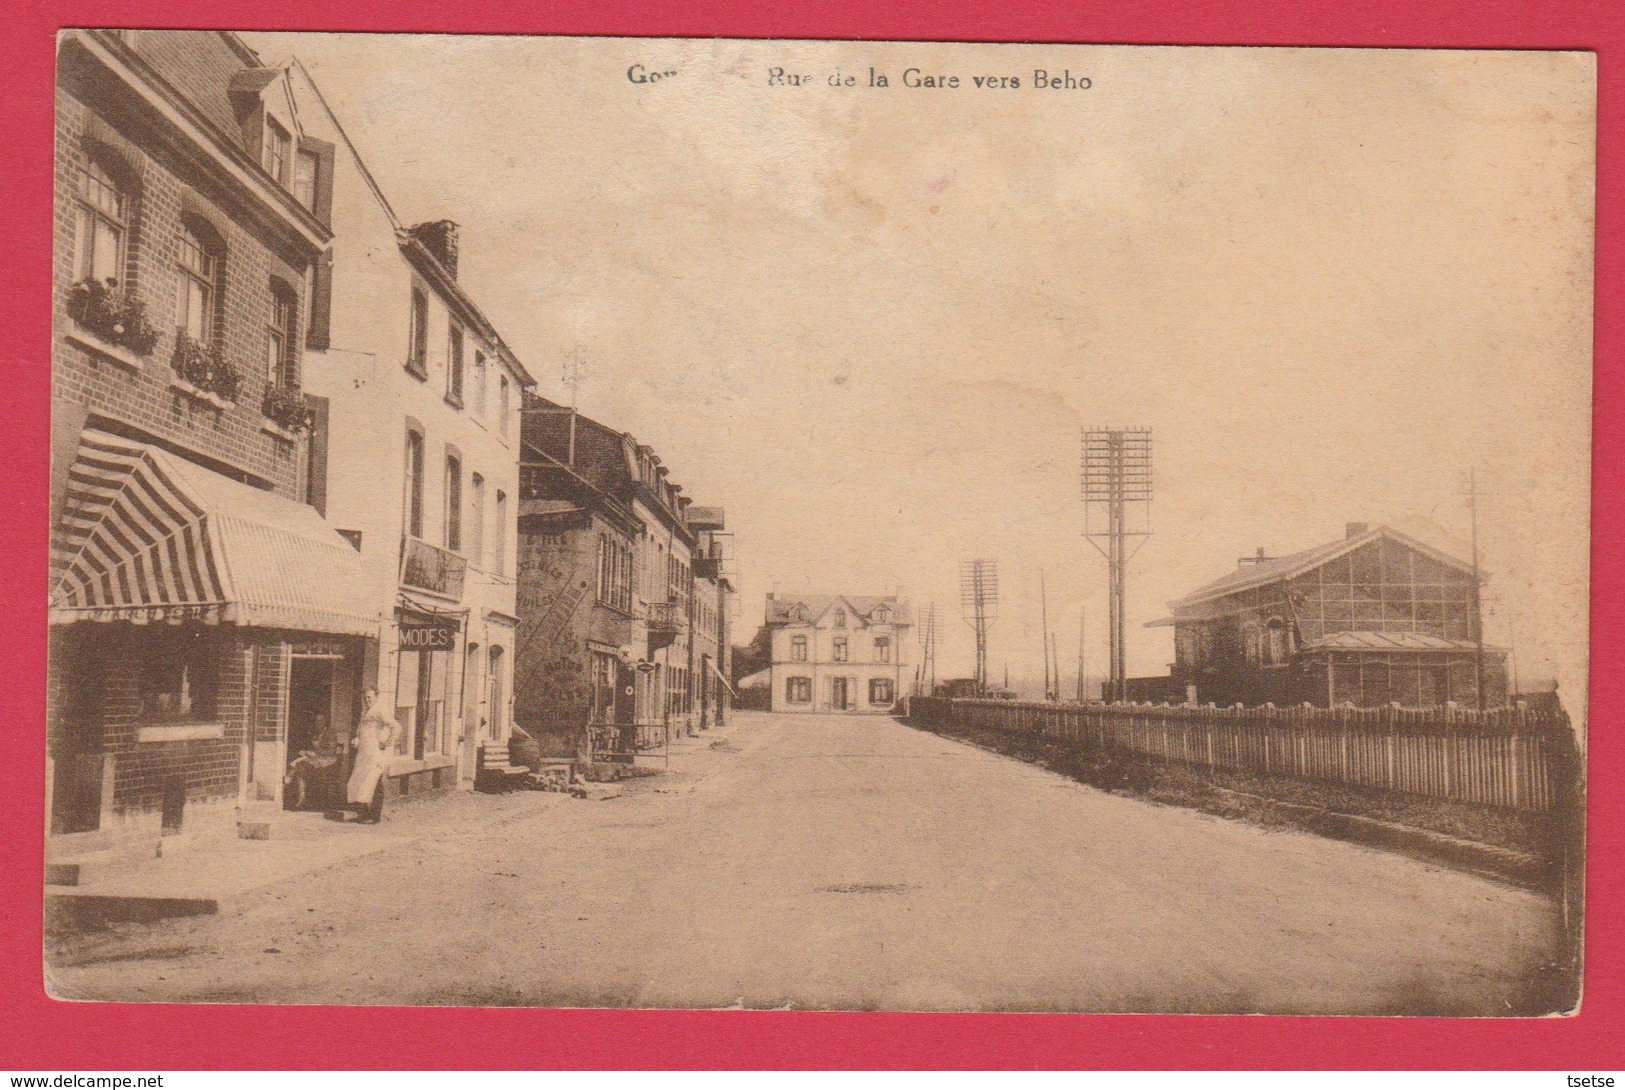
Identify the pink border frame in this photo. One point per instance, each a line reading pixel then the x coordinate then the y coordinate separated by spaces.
pixel 37 1032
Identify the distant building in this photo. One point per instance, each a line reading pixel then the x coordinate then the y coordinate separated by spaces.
pixel 1372 619
pixel 838 652
pixel 623 601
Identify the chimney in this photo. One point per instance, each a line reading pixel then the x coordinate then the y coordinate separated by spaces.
pixel 439 237
pixel 1353 530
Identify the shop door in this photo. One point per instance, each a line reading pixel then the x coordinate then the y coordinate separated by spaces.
pixel 314 764
pixel 77 757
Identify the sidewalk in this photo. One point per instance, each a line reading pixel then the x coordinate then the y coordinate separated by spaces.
pixel 212 873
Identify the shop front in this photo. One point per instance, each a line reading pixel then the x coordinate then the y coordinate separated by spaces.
pixel 180 601
pixel 430 683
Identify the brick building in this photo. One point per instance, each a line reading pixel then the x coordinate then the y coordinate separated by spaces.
pixel 608 594
pixel 1374 618
pixel 189 575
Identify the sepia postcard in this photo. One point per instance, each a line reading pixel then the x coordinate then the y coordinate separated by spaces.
pixel 760 524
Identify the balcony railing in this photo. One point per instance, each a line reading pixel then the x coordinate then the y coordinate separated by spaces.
pixel 666 617
pixel 431 568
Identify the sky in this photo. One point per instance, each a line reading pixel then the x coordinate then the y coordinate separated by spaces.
pixel 871 323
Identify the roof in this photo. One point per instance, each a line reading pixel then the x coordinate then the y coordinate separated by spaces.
pixel 1391 641
pixel 779 606
pixel 1278 569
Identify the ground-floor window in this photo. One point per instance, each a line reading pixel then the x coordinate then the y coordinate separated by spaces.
pixel 603 687
pixel 798 690
pixel 880 690
pixel 180 675
pixel 421 680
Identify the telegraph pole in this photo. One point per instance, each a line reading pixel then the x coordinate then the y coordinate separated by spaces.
pixel 1043 619
pixel 1478 601
pixel 1117 485
pixel 979 605
pixel 1083 686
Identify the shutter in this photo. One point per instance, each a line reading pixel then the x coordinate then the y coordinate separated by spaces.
pixel 317 332
pixel 323 151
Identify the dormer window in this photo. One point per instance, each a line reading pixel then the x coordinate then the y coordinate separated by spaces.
pixel 278 151
pixel 882 615
pixel 798 613
pixel 840 618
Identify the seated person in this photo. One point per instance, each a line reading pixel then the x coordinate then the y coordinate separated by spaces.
pixel 313 774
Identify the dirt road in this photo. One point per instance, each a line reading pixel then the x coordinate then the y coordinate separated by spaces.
pixel 847 862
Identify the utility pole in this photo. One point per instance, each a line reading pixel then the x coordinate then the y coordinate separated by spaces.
pixel 1116 479
pixel 926 678
pixel 1083 685
pixel 1043 619
pixel 979 606
pixel 574 374
pixel 1478 602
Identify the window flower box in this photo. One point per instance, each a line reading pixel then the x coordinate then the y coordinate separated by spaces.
pixel 113 318
pixel 285 411
pixel 203 372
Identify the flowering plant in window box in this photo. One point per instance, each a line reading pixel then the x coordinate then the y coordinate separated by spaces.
pixel 285 407
pixel 115 316
pixel 204 367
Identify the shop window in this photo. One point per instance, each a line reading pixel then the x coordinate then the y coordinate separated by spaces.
pixel 180 676
pixel 798 690
pixel 880 690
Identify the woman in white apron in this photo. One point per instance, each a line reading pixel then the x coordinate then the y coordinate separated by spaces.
pixel 373 741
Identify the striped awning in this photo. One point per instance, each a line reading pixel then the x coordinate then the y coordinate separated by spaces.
pixel 146 536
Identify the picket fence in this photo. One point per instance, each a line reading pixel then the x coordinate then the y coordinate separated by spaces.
pixel 1515 757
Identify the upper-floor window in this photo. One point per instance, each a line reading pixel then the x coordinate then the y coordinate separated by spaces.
pixel 499 540
pixel 454 503
pixel 614 573
pixel 479 382
pixel 417 353
pixel 454 365
pixel 279 341
pixel 838 649
pixel 305 167
pixel 414 483
pixel 101 222
pixel 798 648
pixel 278 150
pixel 882 649
pixel 840 618
pixel 476 520
pixel 198 285
pixel 503 394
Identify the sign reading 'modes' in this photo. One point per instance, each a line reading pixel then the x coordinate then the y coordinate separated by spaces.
pixel 438 635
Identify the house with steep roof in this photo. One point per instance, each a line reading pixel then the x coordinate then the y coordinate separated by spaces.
pixel 838 652
pixel 1372 619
